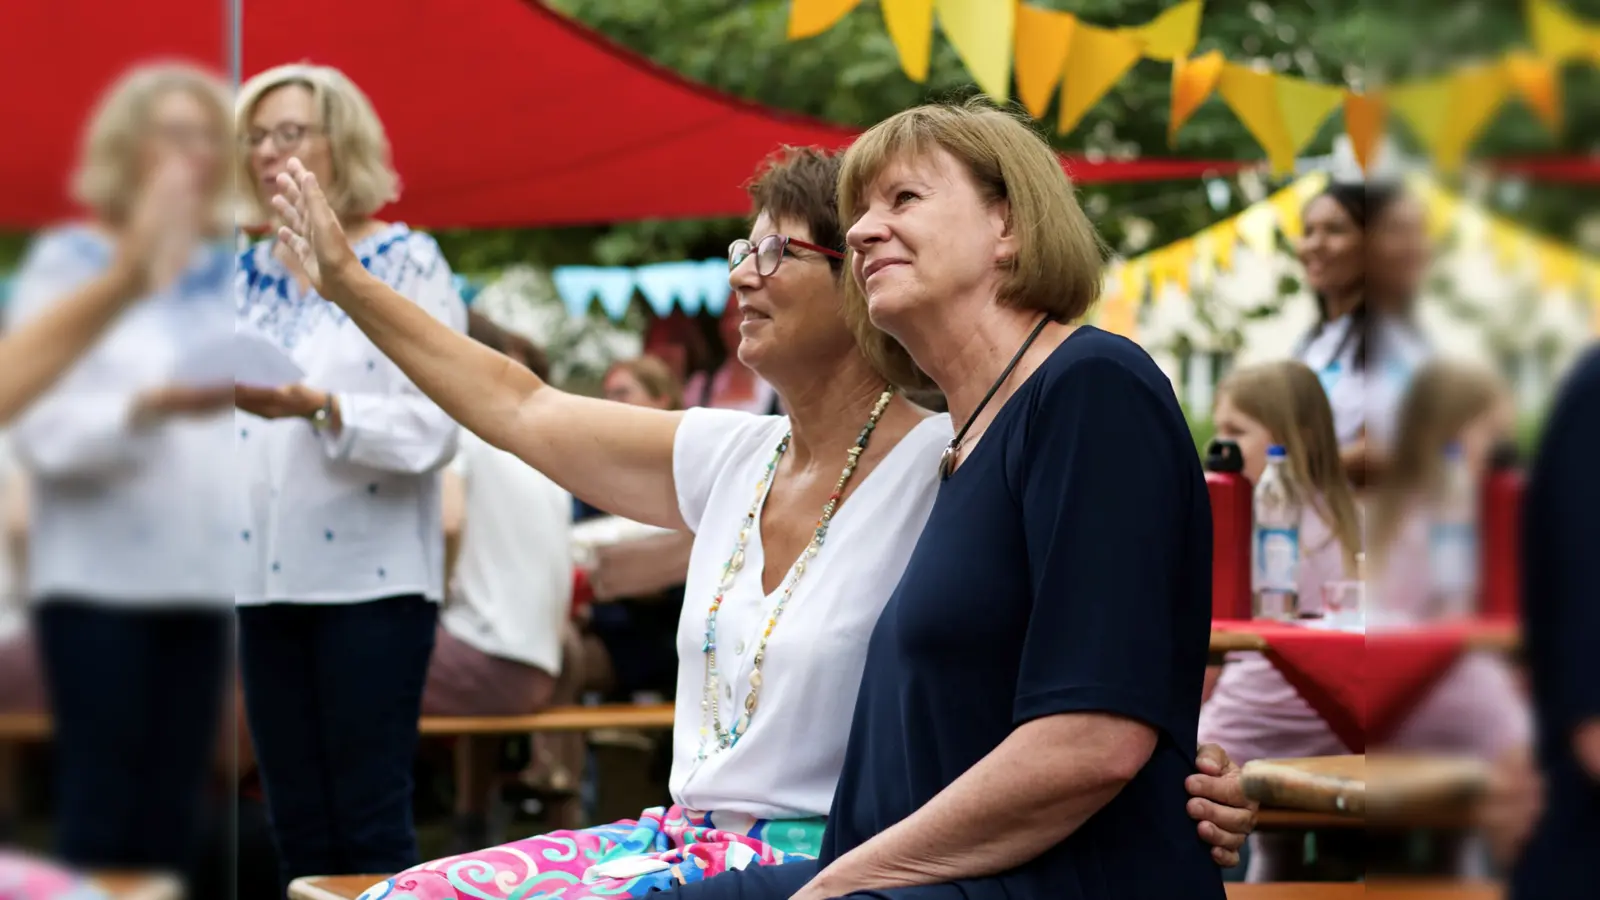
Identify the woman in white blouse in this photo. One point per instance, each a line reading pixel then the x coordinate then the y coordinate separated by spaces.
pixel 127 460
pixel 341 544
pixel 763 706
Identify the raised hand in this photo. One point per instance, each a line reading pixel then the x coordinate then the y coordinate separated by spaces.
pixel 162 229
pixel 310 240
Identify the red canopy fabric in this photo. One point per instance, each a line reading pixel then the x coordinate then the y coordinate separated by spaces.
pixel 501 112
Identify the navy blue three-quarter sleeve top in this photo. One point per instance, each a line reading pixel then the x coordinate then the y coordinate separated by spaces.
pixel 1065 568
pixel 1561 631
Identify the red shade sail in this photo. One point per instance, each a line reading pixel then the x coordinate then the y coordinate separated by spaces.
pixel 501 112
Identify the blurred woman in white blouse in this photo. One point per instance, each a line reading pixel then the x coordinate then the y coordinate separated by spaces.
pixel 129 477
pixel 342 537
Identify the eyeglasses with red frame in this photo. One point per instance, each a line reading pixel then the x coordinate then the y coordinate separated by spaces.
pixel 769 252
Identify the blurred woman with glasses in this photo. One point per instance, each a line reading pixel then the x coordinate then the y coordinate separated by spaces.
pixel 342 541
pixel 127 461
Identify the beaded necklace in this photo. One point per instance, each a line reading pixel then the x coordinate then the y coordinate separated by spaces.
pixel 710 710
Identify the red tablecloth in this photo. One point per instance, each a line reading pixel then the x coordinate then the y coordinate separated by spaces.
pixel 1326 667
pixel 1363 685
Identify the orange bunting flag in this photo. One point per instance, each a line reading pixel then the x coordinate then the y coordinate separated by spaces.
pixel 910 27
pixel 1193 80
pixel 1364 116
pixel 1096 60
pixel 1043 36
pixel 809 18
pixel 1539 86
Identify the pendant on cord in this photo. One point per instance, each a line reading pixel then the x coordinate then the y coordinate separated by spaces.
pixel 947 461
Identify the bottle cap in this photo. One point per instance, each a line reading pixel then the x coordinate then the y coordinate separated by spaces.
pixel 1452 450
pixel 1276 451
pixel 1223 456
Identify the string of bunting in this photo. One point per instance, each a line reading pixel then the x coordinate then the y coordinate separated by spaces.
pixel 1057 56
pixel 1196 259
pixel 693 287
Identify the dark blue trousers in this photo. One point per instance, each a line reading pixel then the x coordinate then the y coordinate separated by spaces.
pixel 136 697
pixel 333 693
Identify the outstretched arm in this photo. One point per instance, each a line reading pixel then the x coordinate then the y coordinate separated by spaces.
pixel 612 455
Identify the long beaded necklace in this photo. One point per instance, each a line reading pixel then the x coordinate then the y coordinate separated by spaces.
pixel 710 710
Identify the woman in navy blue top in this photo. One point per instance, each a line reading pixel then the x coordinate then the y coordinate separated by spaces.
pixel 1027 717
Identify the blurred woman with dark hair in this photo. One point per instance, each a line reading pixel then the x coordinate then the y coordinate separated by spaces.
pixel 1333 251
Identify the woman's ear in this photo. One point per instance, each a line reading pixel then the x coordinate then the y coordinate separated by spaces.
pixel 1005 234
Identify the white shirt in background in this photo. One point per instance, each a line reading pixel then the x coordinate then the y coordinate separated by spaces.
pixel 787 765
pixel 1333 358
pixel 119 513
pixel 357 517
pixel 512 590
pixel 1399 351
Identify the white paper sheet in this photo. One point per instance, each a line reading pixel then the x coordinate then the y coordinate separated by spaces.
pixel 243 357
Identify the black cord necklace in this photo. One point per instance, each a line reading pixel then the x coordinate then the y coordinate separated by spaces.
pixel 947 460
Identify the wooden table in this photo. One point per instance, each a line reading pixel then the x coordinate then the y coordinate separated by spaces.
pixel 1319 784
pixel 1502 639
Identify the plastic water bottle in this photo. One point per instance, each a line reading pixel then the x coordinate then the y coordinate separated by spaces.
pixel 1453 540
pixel 1275 541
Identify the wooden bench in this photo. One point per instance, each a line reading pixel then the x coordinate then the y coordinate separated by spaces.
pixel 349 887
pixel 36 728
pixel 133 886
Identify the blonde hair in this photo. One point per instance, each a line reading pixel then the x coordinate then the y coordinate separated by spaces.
pixel 654 376
pixel 1444 397
pixel 1287 399
pixel 1056 269
pixel 107 177
pixel 364 179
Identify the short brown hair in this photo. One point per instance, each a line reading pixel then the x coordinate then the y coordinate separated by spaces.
pixel 486 332
pixel 800 184
pixel 1057 267
pixel 654 375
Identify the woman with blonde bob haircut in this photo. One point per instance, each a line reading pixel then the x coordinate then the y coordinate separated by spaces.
pixel 125 458
pixel 144 212
pixel 342 540
pixel 357 149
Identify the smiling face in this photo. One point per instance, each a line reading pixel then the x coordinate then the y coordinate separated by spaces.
pixel 1332 250
pixel 926 235
pixel 790 321
pixel 285 123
